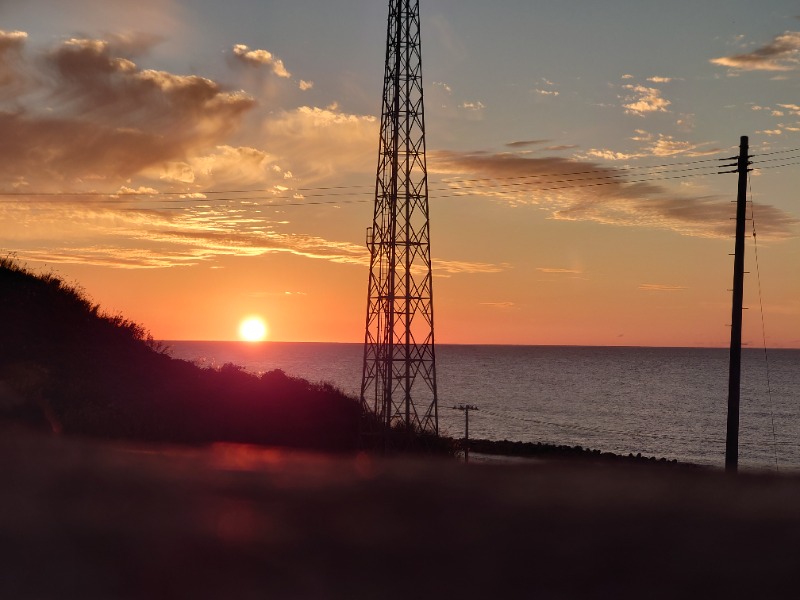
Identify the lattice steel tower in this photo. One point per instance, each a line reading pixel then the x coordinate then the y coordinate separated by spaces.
pixel 399 377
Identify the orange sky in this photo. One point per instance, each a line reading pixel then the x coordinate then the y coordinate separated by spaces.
pixel 204 165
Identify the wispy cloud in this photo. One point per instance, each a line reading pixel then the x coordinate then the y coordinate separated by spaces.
pixel 457 266
pixel 660 287
pixel 781 54
pixel 499 305
pixel 559 270
pixel 610 155
pixel 526 143
pixel 660 145
pixel 127 237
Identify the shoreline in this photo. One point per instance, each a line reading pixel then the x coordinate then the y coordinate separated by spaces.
pixel 542 450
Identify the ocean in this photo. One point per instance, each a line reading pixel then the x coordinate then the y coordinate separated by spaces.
pixel 662 402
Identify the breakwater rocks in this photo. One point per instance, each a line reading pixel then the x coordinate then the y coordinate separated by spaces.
pixel 553 451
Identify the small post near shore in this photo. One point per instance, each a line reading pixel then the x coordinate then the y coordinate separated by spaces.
pixel 466 408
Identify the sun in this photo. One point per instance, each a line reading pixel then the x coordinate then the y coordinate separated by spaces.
pixel 253 329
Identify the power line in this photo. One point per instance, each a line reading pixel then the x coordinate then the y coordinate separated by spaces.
pixel 782 158
pixel 763 325
pixel 777 152
pixel 611 172
pixel 266 202
pixel 604 172
pixel 454 187
pixel 791 164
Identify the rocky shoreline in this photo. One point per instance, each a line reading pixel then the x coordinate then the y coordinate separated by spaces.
pixel 556 452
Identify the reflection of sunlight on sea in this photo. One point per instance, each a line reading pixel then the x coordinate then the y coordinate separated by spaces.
pixel 668 402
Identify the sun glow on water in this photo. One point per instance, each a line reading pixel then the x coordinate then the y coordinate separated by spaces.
pixel 253 329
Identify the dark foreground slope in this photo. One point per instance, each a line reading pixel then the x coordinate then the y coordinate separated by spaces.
pixel 97 520
pixel 66 366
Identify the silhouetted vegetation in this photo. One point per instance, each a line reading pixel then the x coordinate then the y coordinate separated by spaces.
pixel 400 440
pixel 66 365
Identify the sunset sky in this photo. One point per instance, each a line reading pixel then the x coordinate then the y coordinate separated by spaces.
pixel 249 131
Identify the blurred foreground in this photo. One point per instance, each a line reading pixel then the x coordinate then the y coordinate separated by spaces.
pixel 90 519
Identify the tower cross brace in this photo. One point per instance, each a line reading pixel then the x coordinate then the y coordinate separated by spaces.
pixel 399 371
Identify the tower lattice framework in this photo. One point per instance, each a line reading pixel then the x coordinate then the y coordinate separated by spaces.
pixel 399 376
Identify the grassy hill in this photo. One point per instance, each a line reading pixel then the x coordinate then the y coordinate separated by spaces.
pixel 66 365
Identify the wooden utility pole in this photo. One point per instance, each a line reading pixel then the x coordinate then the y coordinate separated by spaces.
pixel 734 372
pixel 466 408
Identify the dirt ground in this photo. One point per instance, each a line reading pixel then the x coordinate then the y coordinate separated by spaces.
pixel 94 520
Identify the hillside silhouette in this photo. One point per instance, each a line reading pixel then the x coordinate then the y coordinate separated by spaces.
pixel 67 366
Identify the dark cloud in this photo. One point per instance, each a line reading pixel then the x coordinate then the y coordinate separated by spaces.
pixel 526 143
pixel 781 54
pixel 586 191
pixel 561 147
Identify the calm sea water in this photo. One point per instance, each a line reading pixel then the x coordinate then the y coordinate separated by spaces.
pixel 664 402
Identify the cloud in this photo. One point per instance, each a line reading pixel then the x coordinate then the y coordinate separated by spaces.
pixel 660 145
pixel 559 270
pixel 328 140
pixel 499 305
pixel 260 58
pixel 95 120
pixel 686 122
pixel 579 190
pixel 644 100
pixel 105 119
pixel 658 79
pixel 12 77
pixel 305 85
pixel 666 145
pixel 447 89
pixel 610 155
pixel 190 236
pixel 658 287
pixel 12 39
pixel 224 166
pixel 547 92
pixel 135 238
pixel 460 266
pixel 474 106
pixel 781 54
pixel 526 143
